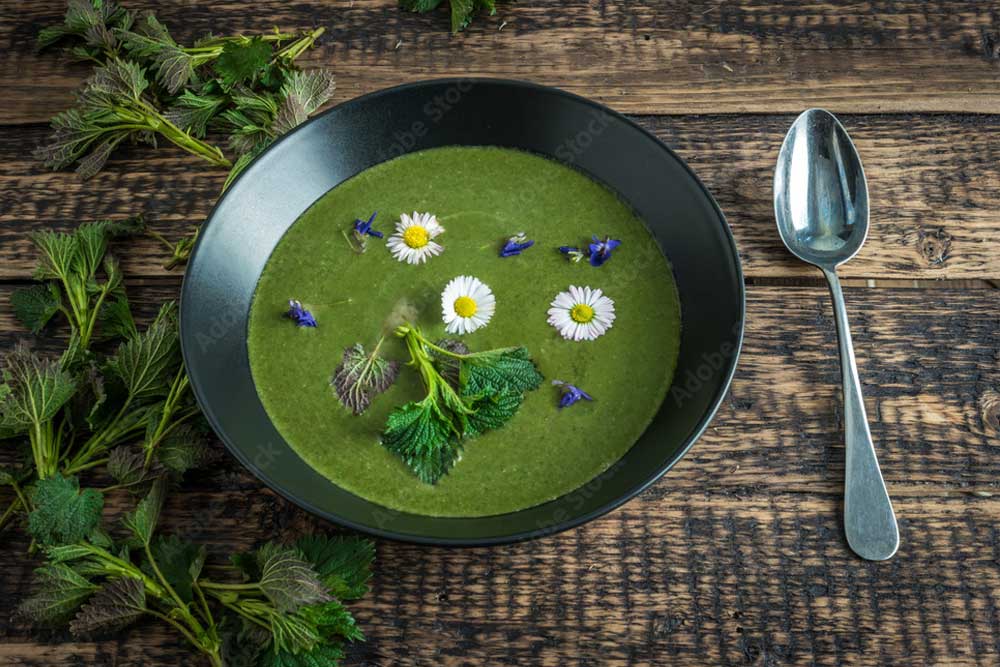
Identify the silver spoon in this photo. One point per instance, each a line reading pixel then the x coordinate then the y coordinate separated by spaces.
pixel 821 205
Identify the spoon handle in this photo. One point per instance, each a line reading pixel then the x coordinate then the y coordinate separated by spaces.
pixel 869 521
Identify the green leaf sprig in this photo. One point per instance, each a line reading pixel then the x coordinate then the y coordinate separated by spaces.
pixel 79 410
pixel 146 86
pixel 285 606
pixel 468 394
pixel 462 11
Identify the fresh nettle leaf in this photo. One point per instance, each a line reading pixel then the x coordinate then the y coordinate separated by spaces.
pixel 242 62
pixel 361 376
pixel 468 393
pixel 34 306
pixel 94 304
pixel 60 592
pixel 115 318
pixel 180 562
pixel 303 93
pixel 342 563
pixel 291 633
pixel 147 363
pixel 497 371
pixel 462 11
pixel 33 392
pixel 287 580
pixel 118 604
pixel 150 39
pixel 423 438
pixel 492 411
pixel 183 449
pixel 333 620
pixel 126 465
pixel 142 521
pixel 91 24
pixel 113 106
pixel 193 112
pixel 63 513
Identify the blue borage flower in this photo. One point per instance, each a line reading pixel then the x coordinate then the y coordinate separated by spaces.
pixel 358 240
pixel 298 314
pixel 363 228
pixel 515 245
pixel 570 394
pixel 598 252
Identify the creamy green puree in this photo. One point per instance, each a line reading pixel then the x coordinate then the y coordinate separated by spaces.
pixel 481 196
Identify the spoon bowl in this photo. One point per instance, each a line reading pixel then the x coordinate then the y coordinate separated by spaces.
pixel 820 191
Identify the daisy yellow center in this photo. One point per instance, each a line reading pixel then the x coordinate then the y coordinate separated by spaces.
pixel 416 237
pixel 581 313
pixel 465 306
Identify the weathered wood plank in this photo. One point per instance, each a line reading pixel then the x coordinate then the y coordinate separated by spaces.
pixel 933 182
pixel 668 56
pixel 736 557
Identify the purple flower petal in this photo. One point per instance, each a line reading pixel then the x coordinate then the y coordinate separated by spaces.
pixel 298 314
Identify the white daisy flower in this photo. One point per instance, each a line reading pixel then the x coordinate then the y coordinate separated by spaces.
pixel 466 305
pixel 413 241
pixel 582 313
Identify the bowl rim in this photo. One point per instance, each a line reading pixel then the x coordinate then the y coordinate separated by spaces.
pixel 558 526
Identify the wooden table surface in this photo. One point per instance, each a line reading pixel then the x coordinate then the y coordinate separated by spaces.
pixel 737 556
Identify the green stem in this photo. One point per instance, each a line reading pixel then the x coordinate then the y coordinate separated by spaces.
pixel 206 613
pixel 177 388
pixel 248 616
pixel 211 652
pixel 211 586
pixel 115 487
pixel 20 495
pixel 10 511
pixel 176 599
pixel 72 470
pixel 300 46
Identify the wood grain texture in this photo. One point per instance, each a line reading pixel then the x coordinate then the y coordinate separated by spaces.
pixel 934 186
pixel 648 56
pixel 735 557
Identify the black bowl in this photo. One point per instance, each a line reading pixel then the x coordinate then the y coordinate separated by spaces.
pixel 281 184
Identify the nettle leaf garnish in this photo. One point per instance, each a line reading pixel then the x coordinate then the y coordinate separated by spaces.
pixel 468 394
pixel 361 376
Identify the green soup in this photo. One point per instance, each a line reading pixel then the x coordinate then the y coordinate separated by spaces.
pixel 481 196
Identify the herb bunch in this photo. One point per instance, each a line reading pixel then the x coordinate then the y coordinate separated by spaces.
pixel 277 606
pixel 80 410
pixel 468 394
pixel 462 11
pixel 147 86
